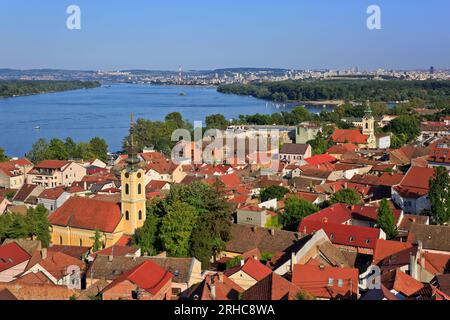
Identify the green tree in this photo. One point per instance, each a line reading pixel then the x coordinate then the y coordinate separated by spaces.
pixel 146 238
pixel 295 210
pixel 386 219
pixel 348 196
pixel 99 148
pixel 176 228
pixel 98 245
pixel 39 151
pixel 320 144
pixel 439 195
pixel 273 192
pixel 405 124
pixel 38 224
pixel 57 150
pixel 71 147
pixel 216 121
pixel 3 156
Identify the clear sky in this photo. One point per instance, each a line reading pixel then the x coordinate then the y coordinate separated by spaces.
pixel 206 34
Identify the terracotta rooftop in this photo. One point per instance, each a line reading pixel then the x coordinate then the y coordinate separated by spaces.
pixel 272 287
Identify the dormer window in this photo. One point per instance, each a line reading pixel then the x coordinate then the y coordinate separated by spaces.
pixel 330 282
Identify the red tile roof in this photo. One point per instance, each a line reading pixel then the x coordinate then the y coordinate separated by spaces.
pixel 85 213
pixel 52 164
pixel 417 177
pixel 342 148
pixel 385 248
pixel 390 179
pixel 349 136
pixel 401 282
pixel 231 181
pixel 326 282
pixel 56 263
pixel 156 185
pixel 116 251
pixel 253 268
pixel 347 235
pixel 310 197
pixel 225 288
pixel 147 275
pixel 320 159
pixel 273 287
pixel 11 255
pixel 52 194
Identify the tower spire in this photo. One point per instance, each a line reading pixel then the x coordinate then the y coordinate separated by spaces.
pixel 132 159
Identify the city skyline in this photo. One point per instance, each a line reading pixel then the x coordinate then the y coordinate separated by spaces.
pixel 207 35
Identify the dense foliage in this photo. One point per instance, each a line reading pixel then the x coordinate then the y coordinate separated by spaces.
pixel 22 88
pixel 3 156
pixel 393 90
pixel 386 220
pixel 273 192
pixel 57 149
pixel 440 196
pixel 295 210
pixel 348 196
pixel 193 220
pixel 33 224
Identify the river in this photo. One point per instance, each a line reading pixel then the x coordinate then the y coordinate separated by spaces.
pixel 104 112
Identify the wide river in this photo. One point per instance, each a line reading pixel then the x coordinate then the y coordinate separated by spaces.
pixel 105 111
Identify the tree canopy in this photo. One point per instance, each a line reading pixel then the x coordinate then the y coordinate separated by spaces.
pixel 386 220
pixel 439 195
pixel 295 210
pixel 273 192
pixel 347 196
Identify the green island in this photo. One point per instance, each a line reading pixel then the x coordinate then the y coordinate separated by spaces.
pixel 30 87
pixel 433 91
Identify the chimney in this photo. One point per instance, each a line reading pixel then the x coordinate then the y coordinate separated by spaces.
pixel 322 267
pixel 412 266
pixel 44 253
pixel 220 275
pixel 253 228
pixel 272 232
pixel 110 258
pixel 293 260
pixel 419 246
pixel 85 185
pixel 242 262
pixel 212 288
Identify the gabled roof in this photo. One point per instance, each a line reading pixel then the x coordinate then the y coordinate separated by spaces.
pixel 432 237
pixel 417 177
pixel 11 255
pixel 294 148
pixel 115 251
pixel 244 238
pixel 326 282
pixel 348 235
pixel 156 185
pixel 52 164
pixel 252 267
pixel 24 192
pixel 52 194
pixel 231 181
pixel 85 213
pixel 401 282
pixel 272 287
pixel 390 179
pixel 385 248
pixel 147 275
pixel 224 288
pixel 342 148
pixel 320 159
pixel 56 263
pixel 349 136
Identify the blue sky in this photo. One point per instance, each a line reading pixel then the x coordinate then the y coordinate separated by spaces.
pixel 201 34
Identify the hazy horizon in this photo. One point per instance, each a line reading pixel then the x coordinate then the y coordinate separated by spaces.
pixel 207 35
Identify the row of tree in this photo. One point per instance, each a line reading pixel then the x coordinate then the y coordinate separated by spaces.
pixel 57 149
pixel 22 88
pixel 393 90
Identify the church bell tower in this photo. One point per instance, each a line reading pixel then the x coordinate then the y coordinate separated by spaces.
pixel 369 127
pixel 133 188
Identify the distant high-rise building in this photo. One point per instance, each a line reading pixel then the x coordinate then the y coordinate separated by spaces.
pixel 431 70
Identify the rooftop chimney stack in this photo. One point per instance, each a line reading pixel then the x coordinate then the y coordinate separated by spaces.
pixel 44 253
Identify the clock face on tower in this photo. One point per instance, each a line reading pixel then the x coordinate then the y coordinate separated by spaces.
pixel 127 175
pixel 139 175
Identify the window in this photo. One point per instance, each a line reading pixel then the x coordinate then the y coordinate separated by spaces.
pixel 140 215
pixel 127 189
pixel 127 215
pixel 176 291
pixel 351 239
pixel 139 188
pixel 81 243
pixel 340 283
pixel 330 282
pixel 60 240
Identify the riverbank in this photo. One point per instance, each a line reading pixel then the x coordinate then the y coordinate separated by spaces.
pixel 23 88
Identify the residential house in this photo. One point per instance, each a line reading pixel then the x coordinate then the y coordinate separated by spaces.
pixel 13 173
pixel 412 193
pixel 272 287
pixel 146 281
pixel 53 198
pixel 56 173
pixel 216 287
pixel 327 283
pixel 27 195
pixel 248 273
pixel 433 238
pixel 13 261
pixel 295 153
pixel 255 216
